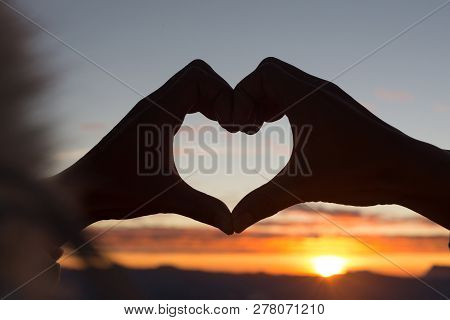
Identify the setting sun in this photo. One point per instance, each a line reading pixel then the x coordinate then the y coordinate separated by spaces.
pixel 326 266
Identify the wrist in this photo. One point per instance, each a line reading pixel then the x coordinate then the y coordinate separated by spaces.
pixel 422 181
pixel 78 188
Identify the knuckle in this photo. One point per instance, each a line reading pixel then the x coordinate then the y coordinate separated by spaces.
pixel 194 72
pixel 197 69
pixel 240 87
pixel 269 61
pixel 198 63
pixel 331 85
pixel 268 66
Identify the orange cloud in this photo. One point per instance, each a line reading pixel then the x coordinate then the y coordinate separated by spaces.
pixel 265 252
pixel 306 221
pixel 394 95
pixel 92 126
pixel 191 240
pixel 285 244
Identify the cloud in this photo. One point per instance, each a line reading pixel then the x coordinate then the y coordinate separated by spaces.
pixel 70 155
pixel 394 95
pixel 369 105
pixel 276 234
pixel 303 220
pixel 299 208
pixel 195 241
pixel 441 108
pixel 93 126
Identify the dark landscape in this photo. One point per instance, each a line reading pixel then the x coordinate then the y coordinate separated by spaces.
pixel 173 283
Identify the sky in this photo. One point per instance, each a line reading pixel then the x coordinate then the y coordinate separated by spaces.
pixel 143 43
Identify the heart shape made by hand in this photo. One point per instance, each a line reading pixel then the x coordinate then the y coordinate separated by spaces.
pixel 338 145
pixel 227 165
pixel 339 151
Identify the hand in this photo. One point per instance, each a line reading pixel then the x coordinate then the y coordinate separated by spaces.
pixel 344 154
pixel 107 179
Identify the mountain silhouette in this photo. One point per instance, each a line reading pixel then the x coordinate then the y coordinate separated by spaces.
pixel 172 283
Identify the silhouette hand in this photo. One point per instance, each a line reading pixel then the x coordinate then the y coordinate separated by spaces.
pixel 343 153
pixel 109 179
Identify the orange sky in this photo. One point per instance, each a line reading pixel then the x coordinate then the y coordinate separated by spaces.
pixel 285 244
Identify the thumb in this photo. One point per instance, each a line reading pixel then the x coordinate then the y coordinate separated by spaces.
pixel 262 203
pixel 201 207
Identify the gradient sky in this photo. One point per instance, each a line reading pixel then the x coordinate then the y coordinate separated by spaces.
pixel 407 83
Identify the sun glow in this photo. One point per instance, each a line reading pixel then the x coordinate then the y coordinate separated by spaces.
pixel 327 266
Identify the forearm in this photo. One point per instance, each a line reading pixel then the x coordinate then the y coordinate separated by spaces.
pixel 77 190
pixel 424 182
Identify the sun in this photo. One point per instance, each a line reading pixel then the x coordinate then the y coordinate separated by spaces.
pixel 327 266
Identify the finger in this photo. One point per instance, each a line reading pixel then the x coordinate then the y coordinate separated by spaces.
pixel 327 87
pixel 257 117
pixel 182 96
pixel 262 203
pixel 260 96
pixel 199 89
pixel 166 88
pixel 293 71
pixel 243 109
pixel 253 124
pixel 216 96
pixel 153 101
pixel 223 108
pixel 201 207
pixel 214 93
pixel 197 65
pixel 246 95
